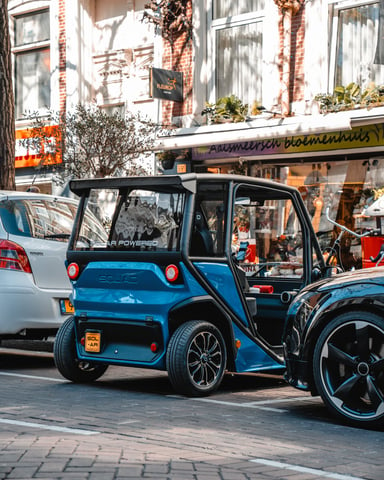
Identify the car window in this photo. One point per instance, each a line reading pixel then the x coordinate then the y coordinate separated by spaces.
pixel 267 236
pixel 208 228
pixel 138 220
pixel 38 218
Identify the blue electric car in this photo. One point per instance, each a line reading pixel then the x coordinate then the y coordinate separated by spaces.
pixel 194 276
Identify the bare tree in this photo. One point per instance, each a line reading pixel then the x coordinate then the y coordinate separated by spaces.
pixel 7 106
pixel 88 142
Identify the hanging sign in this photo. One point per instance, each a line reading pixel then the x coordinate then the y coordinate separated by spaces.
pixel 166 84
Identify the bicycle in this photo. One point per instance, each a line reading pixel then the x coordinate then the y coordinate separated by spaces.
pixel 334 251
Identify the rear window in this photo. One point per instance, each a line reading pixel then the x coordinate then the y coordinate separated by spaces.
pixel 137 220
pixel 37 218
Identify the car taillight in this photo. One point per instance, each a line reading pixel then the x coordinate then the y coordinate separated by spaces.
pixel 13 257
pixel 171 273
pixel 73 271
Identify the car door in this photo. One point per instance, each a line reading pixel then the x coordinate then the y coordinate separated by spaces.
pixel 267 244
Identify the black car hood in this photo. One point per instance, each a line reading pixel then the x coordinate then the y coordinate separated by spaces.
pixel 373 275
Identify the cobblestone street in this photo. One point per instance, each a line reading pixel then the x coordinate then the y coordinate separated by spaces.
pixel 130 424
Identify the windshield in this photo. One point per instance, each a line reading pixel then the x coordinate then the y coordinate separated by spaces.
pixel 135 220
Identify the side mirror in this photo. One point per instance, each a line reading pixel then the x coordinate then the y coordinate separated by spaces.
pixel 330 271
pixel 316 274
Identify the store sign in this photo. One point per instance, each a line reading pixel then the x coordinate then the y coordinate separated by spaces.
pixel 359 137
pixel 166 84
pixel 32 158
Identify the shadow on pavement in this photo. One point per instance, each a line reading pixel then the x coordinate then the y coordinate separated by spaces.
pixel 153 381
pixel 19 354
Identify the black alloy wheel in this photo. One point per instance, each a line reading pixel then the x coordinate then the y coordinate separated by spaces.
pixel 348 367
pixel 196 358
pixel 65 357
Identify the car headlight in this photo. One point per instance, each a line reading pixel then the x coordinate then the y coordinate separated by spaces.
pixel 299 312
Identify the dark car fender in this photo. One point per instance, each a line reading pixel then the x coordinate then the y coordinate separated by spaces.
pixel 324 304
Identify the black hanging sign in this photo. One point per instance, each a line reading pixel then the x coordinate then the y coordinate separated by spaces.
pixel 166 84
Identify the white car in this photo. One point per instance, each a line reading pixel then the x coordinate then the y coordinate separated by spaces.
pixel 34 287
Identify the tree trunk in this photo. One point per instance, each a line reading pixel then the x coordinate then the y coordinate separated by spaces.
pixel 7 106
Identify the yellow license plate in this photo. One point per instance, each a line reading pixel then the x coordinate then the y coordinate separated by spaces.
pixel 92 342
pixel 66 307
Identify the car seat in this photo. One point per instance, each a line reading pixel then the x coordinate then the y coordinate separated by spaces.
pixel 202 242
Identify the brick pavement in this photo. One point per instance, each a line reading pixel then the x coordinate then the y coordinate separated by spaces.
pixel 106 457
pixel 149 433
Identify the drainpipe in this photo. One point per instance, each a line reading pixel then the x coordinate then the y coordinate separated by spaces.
pixel 288 8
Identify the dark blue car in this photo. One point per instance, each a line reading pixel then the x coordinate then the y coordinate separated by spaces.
pixel 334 344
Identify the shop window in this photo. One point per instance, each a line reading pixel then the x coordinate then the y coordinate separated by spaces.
pixel 237 44
pixel 340 191
pixel 32 62
pixel 118 109
pixel 357 53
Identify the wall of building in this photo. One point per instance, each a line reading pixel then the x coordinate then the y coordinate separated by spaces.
pixel 178 56
pixel 98 52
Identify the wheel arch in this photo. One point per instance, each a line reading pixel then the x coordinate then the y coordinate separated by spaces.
pixel 205 309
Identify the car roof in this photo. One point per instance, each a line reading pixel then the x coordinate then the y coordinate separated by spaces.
pixel 186 181
pixel 18 195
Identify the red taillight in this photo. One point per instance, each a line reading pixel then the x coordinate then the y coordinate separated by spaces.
pixel 171 273
pixel 73 271
pixel 13 257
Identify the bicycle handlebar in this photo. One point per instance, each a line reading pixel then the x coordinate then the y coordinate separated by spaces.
pixel 379 257
pixel 343 227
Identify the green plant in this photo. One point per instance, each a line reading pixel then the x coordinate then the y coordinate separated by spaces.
pixel 167 159
pixel 374 193
pixel 350 97
pixel 239 168
pixel 229 108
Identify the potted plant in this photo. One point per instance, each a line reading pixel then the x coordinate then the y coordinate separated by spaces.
pixel 226 109
pixel 350 97
pixel 167 159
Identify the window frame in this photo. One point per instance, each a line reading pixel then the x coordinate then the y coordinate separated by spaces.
pixel 30 48
pixel 214 25
pixel 335 6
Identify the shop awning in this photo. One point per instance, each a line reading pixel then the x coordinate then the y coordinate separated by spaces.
pixel 264 128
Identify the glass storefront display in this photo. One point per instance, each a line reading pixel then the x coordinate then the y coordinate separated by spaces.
pixel 340 188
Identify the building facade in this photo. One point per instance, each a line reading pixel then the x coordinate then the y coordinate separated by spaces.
pixel 277 57
pixel 70 52
pixel 287 56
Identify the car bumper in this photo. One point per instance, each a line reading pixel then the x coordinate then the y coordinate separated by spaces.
pixel 297 371
pixel 24 306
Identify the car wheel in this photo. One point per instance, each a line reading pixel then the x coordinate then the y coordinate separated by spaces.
pixel 348 368
pixel 196 358
pixel 66 361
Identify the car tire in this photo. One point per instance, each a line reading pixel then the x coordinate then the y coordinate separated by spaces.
pixel 196 358
pixel 65 357
pixel 348 368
